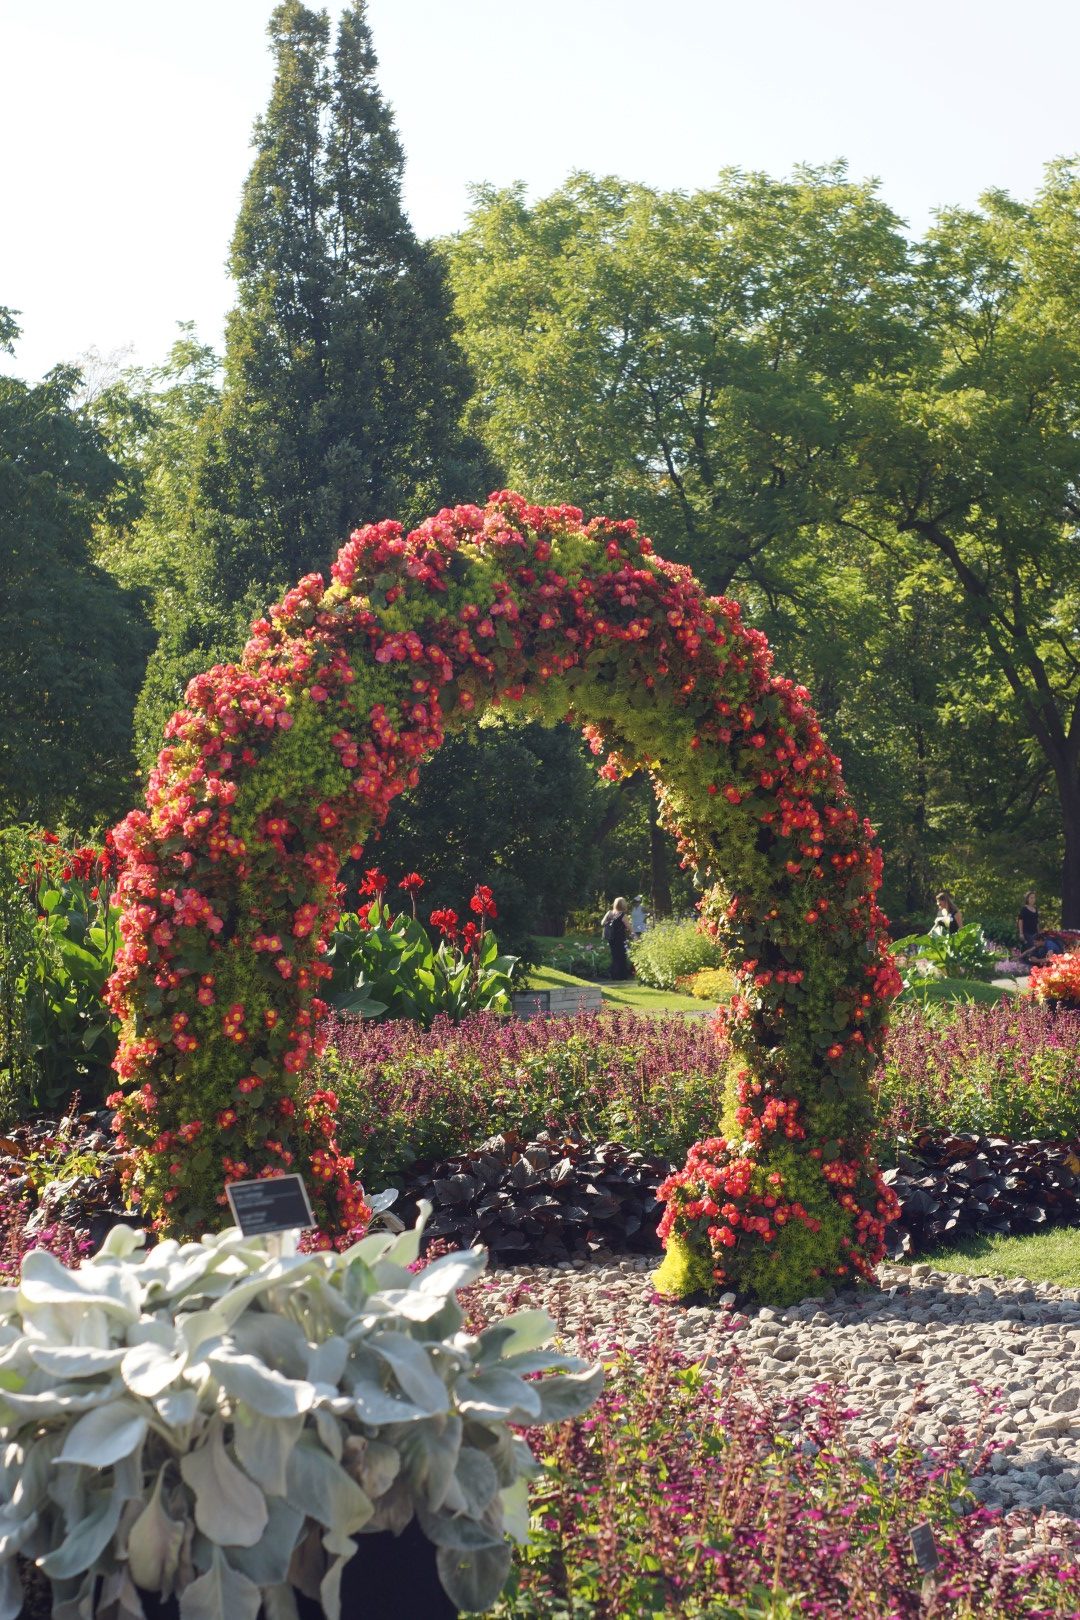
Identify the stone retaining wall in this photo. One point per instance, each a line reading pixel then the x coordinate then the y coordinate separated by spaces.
pixel 561 1001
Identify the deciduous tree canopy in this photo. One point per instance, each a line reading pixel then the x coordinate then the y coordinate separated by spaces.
pixel 73 643
pixel 874 440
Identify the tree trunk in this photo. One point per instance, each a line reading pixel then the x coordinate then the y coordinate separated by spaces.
pixel 1070 866
pixel 916 882
pixel 660 883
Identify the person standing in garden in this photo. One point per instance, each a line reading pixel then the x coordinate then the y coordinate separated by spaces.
pixel 638 918
pixel 616 931
pixel 949 919
pixel 1032 948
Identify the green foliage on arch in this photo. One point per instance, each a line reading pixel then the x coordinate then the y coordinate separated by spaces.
pixel 281 766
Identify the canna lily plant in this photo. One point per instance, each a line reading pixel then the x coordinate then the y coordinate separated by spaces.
pixel 386 966
pixel 215 1422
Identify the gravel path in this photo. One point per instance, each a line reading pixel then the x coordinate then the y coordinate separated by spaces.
pixel 928 1340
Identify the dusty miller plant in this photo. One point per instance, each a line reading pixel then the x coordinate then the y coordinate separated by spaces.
pixel 211 1421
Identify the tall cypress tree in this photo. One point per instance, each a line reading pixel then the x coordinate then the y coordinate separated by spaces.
pixel 344 384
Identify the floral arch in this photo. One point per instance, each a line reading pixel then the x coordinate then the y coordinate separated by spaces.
pixel 280 767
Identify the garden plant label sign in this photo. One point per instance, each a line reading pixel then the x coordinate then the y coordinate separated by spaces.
pixel 925 1549
pixel 273 1204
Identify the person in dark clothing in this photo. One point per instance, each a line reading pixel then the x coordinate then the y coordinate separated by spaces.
pixel 1032 947
pixel 616 932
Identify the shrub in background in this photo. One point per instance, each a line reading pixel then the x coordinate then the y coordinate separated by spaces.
pixel 967 954
pixel 58 942
pixel 186 1420
pixel 669 950
pixel 387 967
pixel 60 1186
pixel 708 984
pixel 1000 930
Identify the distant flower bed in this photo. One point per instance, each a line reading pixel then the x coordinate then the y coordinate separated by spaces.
pixel 713 984
pixel 390 966
pixel 1057 981
pixel 408 1095
pixel 58 940
pixel 1009 1068
pixel 680 1496
pixel 1011 967
pixel 59 1189
pixel 582 958
pixel 418 1106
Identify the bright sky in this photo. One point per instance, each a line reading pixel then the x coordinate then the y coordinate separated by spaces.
pixel 124 124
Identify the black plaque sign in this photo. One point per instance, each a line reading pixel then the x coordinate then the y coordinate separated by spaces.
pixel 275 1204
pixel 924 1548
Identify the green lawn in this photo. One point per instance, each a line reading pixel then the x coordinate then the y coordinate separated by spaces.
pixel 641 998
pixel 954 990
pixel 627 994
pixel 1052 1257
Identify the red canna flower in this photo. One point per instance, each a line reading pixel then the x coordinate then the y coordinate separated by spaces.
pixel 483 902
pixel 446 921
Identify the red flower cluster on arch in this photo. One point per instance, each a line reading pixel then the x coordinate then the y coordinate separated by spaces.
pixel 280 767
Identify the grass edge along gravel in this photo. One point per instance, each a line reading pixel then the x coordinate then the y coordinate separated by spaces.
pixel 1044 1257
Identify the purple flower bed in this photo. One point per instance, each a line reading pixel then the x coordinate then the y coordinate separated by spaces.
pixel 677 1495
pixel 414 1096
pixel 1009 1069
pixel 961 1090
